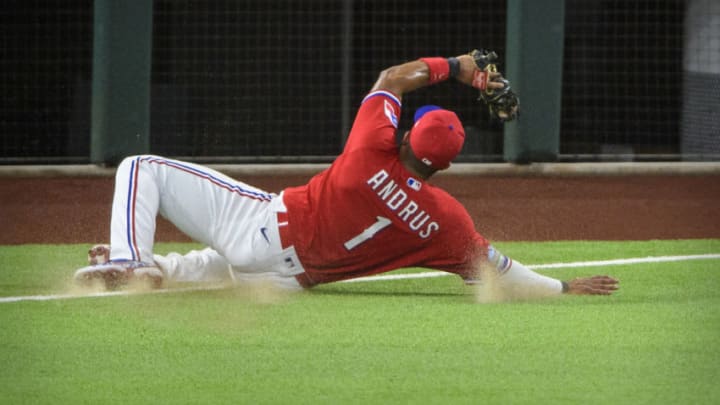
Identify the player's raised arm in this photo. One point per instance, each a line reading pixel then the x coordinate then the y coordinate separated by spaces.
pixel 476 69
pixel 409 76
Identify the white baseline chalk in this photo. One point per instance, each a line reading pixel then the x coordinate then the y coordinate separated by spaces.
pixel 387 277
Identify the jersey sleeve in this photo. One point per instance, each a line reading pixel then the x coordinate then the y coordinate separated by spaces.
pixel 375 123
pixel 475 250
pixel 462 248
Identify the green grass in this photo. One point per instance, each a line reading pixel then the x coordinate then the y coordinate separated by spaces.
pixel 410 341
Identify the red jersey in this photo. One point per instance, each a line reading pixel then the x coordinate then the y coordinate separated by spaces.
pixel 367 214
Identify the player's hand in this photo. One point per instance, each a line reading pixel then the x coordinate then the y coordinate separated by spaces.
pixel 478 70
pixel 495 81
pixel 595 285
pixel 467 70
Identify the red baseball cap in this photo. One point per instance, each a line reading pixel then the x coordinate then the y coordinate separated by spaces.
pixel 436 137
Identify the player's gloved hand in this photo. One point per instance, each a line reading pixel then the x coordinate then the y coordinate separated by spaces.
pixel 595 285
pixel 495 90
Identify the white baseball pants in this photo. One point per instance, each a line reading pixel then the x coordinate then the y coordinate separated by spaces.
pixel 237 221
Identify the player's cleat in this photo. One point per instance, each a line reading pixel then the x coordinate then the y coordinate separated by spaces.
pixel 99 254
pixel 116 274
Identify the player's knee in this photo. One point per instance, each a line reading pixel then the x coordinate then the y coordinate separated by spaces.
pixel 125 164
pixel 128 161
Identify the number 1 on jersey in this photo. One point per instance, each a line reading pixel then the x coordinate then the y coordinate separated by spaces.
pixel 368 233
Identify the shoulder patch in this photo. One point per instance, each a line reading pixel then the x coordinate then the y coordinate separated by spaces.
pixel 390 113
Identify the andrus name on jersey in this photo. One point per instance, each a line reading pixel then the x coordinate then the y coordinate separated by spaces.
pixel 405 208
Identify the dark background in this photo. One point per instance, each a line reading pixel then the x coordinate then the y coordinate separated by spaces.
pixel 259 80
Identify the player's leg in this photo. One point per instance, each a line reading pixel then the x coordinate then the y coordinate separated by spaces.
pixel 235 219
pixel 197 200
pixel 212 208
pixel 132 230
pixel 135 205
pixel 206 205
pixel 196 265
pixel 207 265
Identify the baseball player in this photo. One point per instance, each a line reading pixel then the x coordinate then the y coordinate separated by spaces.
pixel 373 210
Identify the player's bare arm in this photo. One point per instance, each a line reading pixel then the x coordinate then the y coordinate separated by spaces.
pixel 409 76
pixel 477 69
pixel 501 274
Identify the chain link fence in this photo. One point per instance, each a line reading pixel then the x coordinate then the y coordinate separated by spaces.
pixel 279 80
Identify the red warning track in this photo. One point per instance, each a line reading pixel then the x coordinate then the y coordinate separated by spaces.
pixel 533 208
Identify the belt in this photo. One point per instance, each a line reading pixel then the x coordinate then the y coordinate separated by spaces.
pixel 286 242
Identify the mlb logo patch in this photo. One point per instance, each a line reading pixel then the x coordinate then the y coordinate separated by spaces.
pixel 414 184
